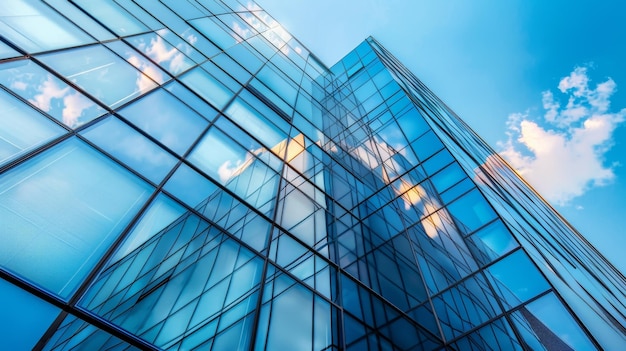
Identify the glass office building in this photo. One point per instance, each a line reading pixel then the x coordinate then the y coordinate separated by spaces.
pixel 186 175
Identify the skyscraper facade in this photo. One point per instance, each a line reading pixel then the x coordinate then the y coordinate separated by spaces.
pixel 186 175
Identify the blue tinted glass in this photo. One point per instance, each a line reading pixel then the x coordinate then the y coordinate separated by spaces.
pixel 189 185
pixel 22 128
pixel 220 157
pixel 213 29
pixel 132 148
pixel 61 210
pixel 162 52
pixel 162 212
pixel 6 51
pixel 101 73
pixel 546 322
pixel 491 242
pixel 207 87
pixel 426 145
pixel 496 336
pixel 35 27
pixel 24 317
pixel 251 120
pixel 76 334
pixel 81 19
pixel 113 16
pixel 516 279
pixel 139 61
pixel 471 211
pixel 48 93
pixel 448 177
pixel 166 119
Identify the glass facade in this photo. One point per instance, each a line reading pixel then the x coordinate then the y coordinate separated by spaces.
pixel 186 175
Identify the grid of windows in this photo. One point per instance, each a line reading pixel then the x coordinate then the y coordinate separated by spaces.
pixel 186 175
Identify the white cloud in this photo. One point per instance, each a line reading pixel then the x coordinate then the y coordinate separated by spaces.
pixel 48 90
pixel 562 156
pixel 75 104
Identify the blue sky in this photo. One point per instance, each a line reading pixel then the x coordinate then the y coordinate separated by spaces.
pixel 543 82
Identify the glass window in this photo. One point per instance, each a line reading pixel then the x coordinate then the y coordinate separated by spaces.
pixel 516 279
pixel 491 242
pixel 162 212
pixel 24 318
pixel 132 148
pixel 81 19
pixel 192 100
pixel 34 27
pixel 448 177
pixel 220 157
pixel 237 168
pixel 22 128
pixel 216 32
pixel 6 51
pixel 60 212
pixel 189 186
pixel 113 16
pixel 101 73
pixel 48 93
pixel 545 322
pixel 163 53
pixel 166 119
pixel 495 336
pixel 208 87
pixel 465 306
pixel 471 211
pixel 179 285
pixel 76 334
pixel 139 61
pixel 256 124
pixel 426 145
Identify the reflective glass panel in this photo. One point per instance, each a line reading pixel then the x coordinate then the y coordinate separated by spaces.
pixel 491 242
pixel 545 324
pixel 22 128
pixel 139 61
pixel 24 318
pixel 162 52
pixel 6 51
pixel 61 210
pixel 471 211
pixel 132 148
pixel 34 27
pixel 101 73
pixel 207 86
pixel 166 119
pixel 185 283
pixel 120 21
pixel 48 93
pixel 516 279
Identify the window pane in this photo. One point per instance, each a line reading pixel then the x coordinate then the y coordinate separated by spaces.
pixel 35 27
pixel 48 93
pixel 24 317
pixel 6 51
pixel 132 148
pixel 516 279
pixel 61 210
pixel 208 87
pixel 162 52
pixel 471 211
pixel 139 61
pixel 166 119
pixel 22 128
pixel 101 73
pixel 545 324
pixel 491 242
pixel 113 16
